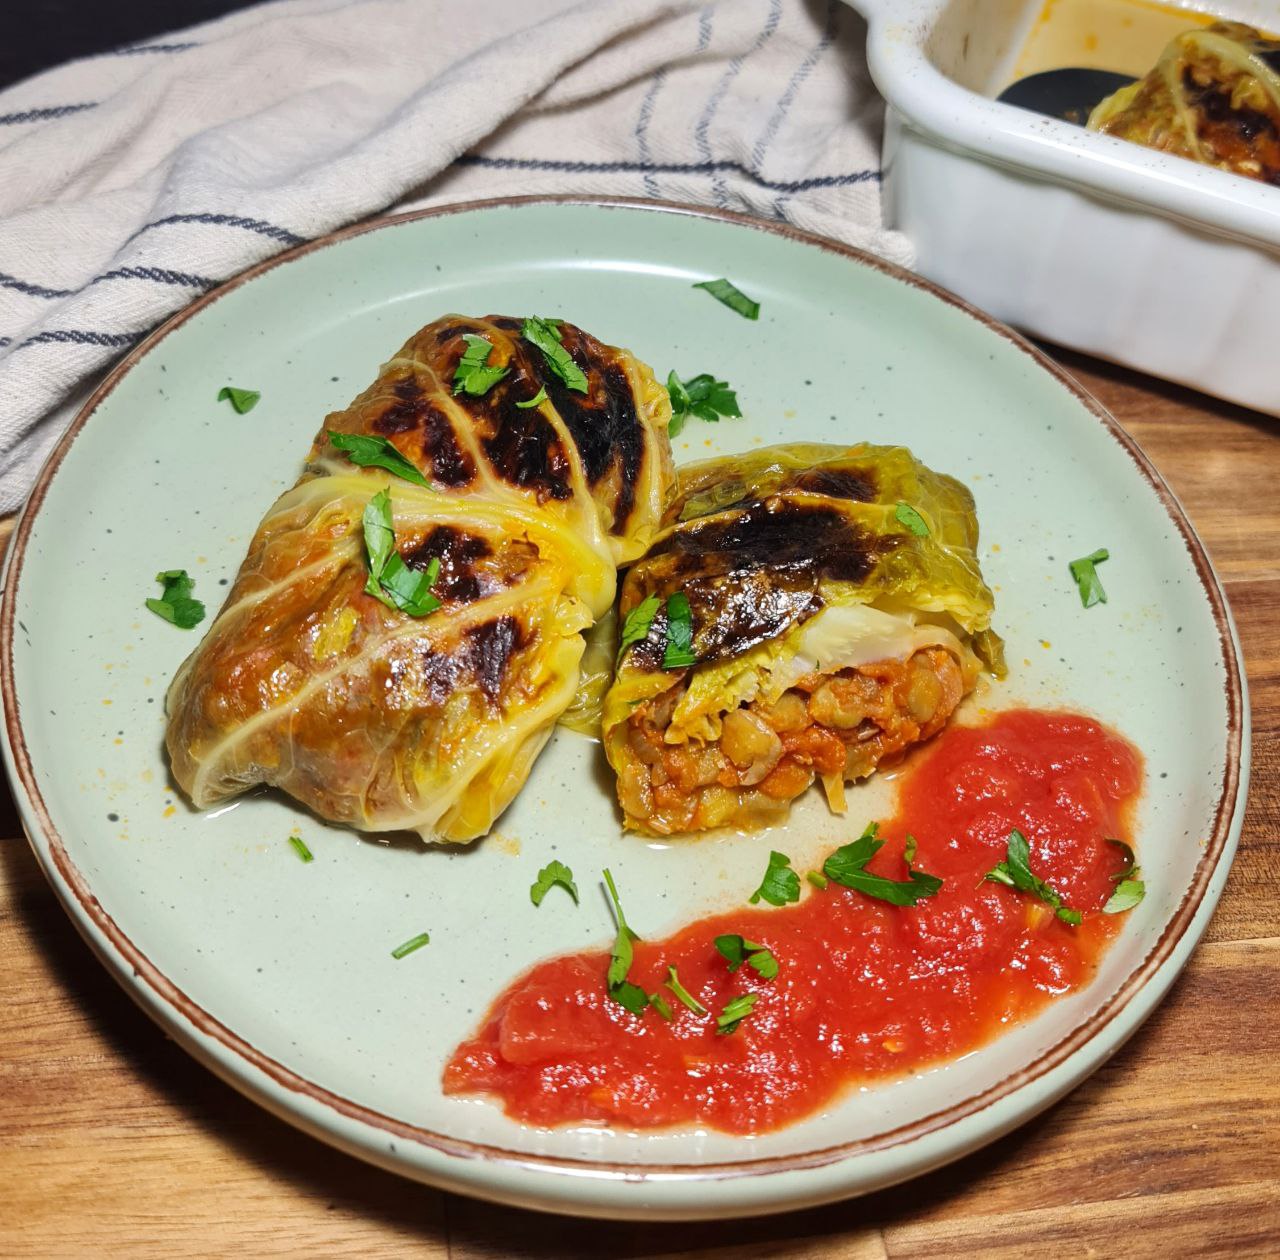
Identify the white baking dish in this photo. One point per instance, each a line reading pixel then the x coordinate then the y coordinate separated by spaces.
pixel 1093 242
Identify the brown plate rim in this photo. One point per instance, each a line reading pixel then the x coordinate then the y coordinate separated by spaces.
pixel 131 965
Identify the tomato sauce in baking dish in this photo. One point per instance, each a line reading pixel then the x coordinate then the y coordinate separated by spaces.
pixel 862 988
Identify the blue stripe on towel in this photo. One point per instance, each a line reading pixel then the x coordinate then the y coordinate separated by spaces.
pixel 702 130
pixel 642 129
pixel 668 168
pixel 158 275
pixel 132 50
pixel 225 220
pixel 81 338
pixel 46 112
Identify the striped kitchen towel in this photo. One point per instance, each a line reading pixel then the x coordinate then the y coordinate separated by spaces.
pixel 132 182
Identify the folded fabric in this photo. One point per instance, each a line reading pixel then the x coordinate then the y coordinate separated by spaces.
pixel 133 182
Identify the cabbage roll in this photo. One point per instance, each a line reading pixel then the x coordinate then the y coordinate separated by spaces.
pixel 1214 97
pixel 807 612
pixel 539 483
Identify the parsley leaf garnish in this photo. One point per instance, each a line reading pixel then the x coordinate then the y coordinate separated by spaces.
pixel 907 516
pixel 679 650
pixel 241 400
pixel 473 375
pixel 661 1005
pixel 1129 888
pixel 732 296
pixel 635 625
pixel 847 866
pixel 545 335
pixel 737 950
pixel 538 398
pixel 376 452
pixel 702 396
pixel 414 942
pixel 1015 871
pixel 390 579
pixel 175 603
pixel 673 983
pixel 735 1011
pixel 1085 573
pixel 552 874
pixel 621 990
pixel 780 884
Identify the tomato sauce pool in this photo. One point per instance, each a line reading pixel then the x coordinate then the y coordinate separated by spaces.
pixel 864 989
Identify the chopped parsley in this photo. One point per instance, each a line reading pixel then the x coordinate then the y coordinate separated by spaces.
pixel 1085 573
pixel 1129 887
pixel 621 990
pixel 473 375
pixel 736 950
pixel 847 866
pixel 732 296
pixel 780 884
pixel 300 848
pixel 241 400
pixel 552 874
pixel 1015 872
pixel 635 625
pixel 390 579
pixel 376 452
pixel 538 398
pixel 414 942
pixel 662 1006
pixel 679 650
pixel 175 603
pixel 673 983
pixel 735 1011
pixel 545 334
pixel 908 517
pixel 702 396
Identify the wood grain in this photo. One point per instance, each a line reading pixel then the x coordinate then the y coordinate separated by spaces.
pixel 114 1143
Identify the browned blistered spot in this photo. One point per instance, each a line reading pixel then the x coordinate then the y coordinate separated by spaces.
pixel 479 659
pixel 776 534
pixel 750 577
pixel 459 579
pixel 492 645
pixel 450 463
pixel 449 331
pixel 405 413
pixel 858 484
pixel 603 422
pixel 522 445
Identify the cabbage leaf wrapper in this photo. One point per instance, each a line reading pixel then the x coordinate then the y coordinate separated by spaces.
pixel 1214 97
pixel 838 616
pixel 385 721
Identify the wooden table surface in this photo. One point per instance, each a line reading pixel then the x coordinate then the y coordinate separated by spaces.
pixel 114 1143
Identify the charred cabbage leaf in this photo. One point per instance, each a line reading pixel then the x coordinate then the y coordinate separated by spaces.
pixel 1213 97
pixel 384 720
pixel 826 630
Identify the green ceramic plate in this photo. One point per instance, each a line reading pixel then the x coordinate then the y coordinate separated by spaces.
pixel 278 975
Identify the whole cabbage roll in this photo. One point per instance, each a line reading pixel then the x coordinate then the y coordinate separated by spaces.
pixel 835 616
pixel 1214 97
pixel 384 720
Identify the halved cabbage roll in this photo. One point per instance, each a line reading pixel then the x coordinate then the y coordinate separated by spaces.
pixel 1214 97
pixel 538 490
pixel 835 616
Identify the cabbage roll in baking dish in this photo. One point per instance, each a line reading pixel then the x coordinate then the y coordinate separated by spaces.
pixel 1214 97
pixel 398 663
pixel 807 612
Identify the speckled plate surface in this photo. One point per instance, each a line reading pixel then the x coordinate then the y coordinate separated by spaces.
pixel 278 975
